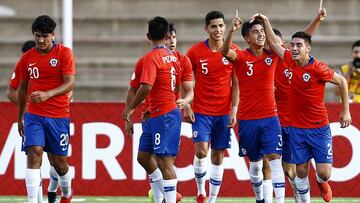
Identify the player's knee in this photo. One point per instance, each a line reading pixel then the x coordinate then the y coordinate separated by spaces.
pixel 255 168
pixel 323 175
pixel 201 154
pixel 61 166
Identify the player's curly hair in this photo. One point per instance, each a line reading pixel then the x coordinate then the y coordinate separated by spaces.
pixel 158 28
pixel 302 35
pixel 43 24
pixel 172 28
pixel 247 26
pixel 356 44
pixel 213 15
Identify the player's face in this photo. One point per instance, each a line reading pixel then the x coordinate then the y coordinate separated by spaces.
pixel 171 41
pixel 216 29
pixel 256 35
pixel 356 52
pixel 299 49
pixel 44 41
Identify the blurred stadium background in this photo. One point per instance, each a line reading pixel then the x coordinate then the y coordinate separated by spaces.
pixel 109 36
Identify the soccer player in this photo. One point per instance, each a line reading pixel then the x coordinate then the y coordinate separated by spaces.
pixel 47 75
pixel 145 155
pixel 309 132
pixel 259 129
pixel 351 72
pixel 211 115
pixel 159 81
pixel 12 93
pixel 282 97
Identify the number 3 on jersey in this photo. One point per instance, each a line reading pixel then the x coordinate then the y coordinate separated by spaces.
pixel 250 65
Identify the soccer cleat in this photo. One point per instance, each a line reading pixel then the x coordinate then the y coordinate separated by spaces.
pixel 325 191
pixel 201 199
pixel 65 200
pixel 260 201
pixel 178 197
pixel 151 196
pixel 52 197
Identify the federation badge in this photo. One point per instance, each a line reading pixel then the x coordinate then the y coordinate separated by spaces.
pixel 53 62
pixel 268 61
pixel 243 151
pixel 195 134
pixel 225 61
pixel 306 77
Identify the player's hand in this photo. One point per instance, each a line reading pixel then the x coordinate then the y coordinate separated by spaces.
pixel 232 121
pixel 236 22
pixel 39 96
pixel 21 128
pixel 189 115
pixel 180 103
pixel 129 128
pixel 322 14
pixel 345 119
pixel 258 16
pixel 126 114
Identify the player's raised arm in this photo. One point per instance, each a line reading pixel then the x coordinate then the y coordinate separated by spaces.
pixel 345 117
pixel 271 38
pixel 226 48
pixel 310 29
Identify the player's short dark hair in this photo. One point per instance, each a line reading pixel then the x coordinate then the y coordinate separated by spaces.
pixel 356 44
pixel 172 28
pixel 28 45
pixel 247 26
pixel 213 15
pixel 158 28
pixel 43 24
pixel 303 35
pixel 277 32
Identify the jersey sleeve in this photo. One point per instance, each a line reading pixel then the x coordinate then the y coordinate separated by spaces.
pixel 323 72
pixel 135 78
pixel 22 69
pixel 14 82
pixel 288 59
pixel 187 69
pixel 240 55
pixel 192 58
pixel 68 62
pixel 148 75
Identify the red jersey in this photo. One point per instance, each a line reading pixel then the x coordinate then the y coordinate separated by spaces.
pixel 135 82
pixel 283 75
pixel 256 84
pixel 185 73
pixel 307 108
pixel 213 76
pixel 14 82
pixel 160 70
pixel 45 72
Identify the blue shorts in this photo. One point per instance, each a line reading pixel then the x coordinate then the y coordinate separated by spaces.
pixel 146 142
pixel 165 132
pixel 259 137
pixel 286 153
pixel 308 143
pixel 213 129
pixel 50 133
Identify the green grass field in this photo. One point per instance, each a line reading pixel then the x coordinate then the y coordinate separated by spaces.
pixel 20 199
